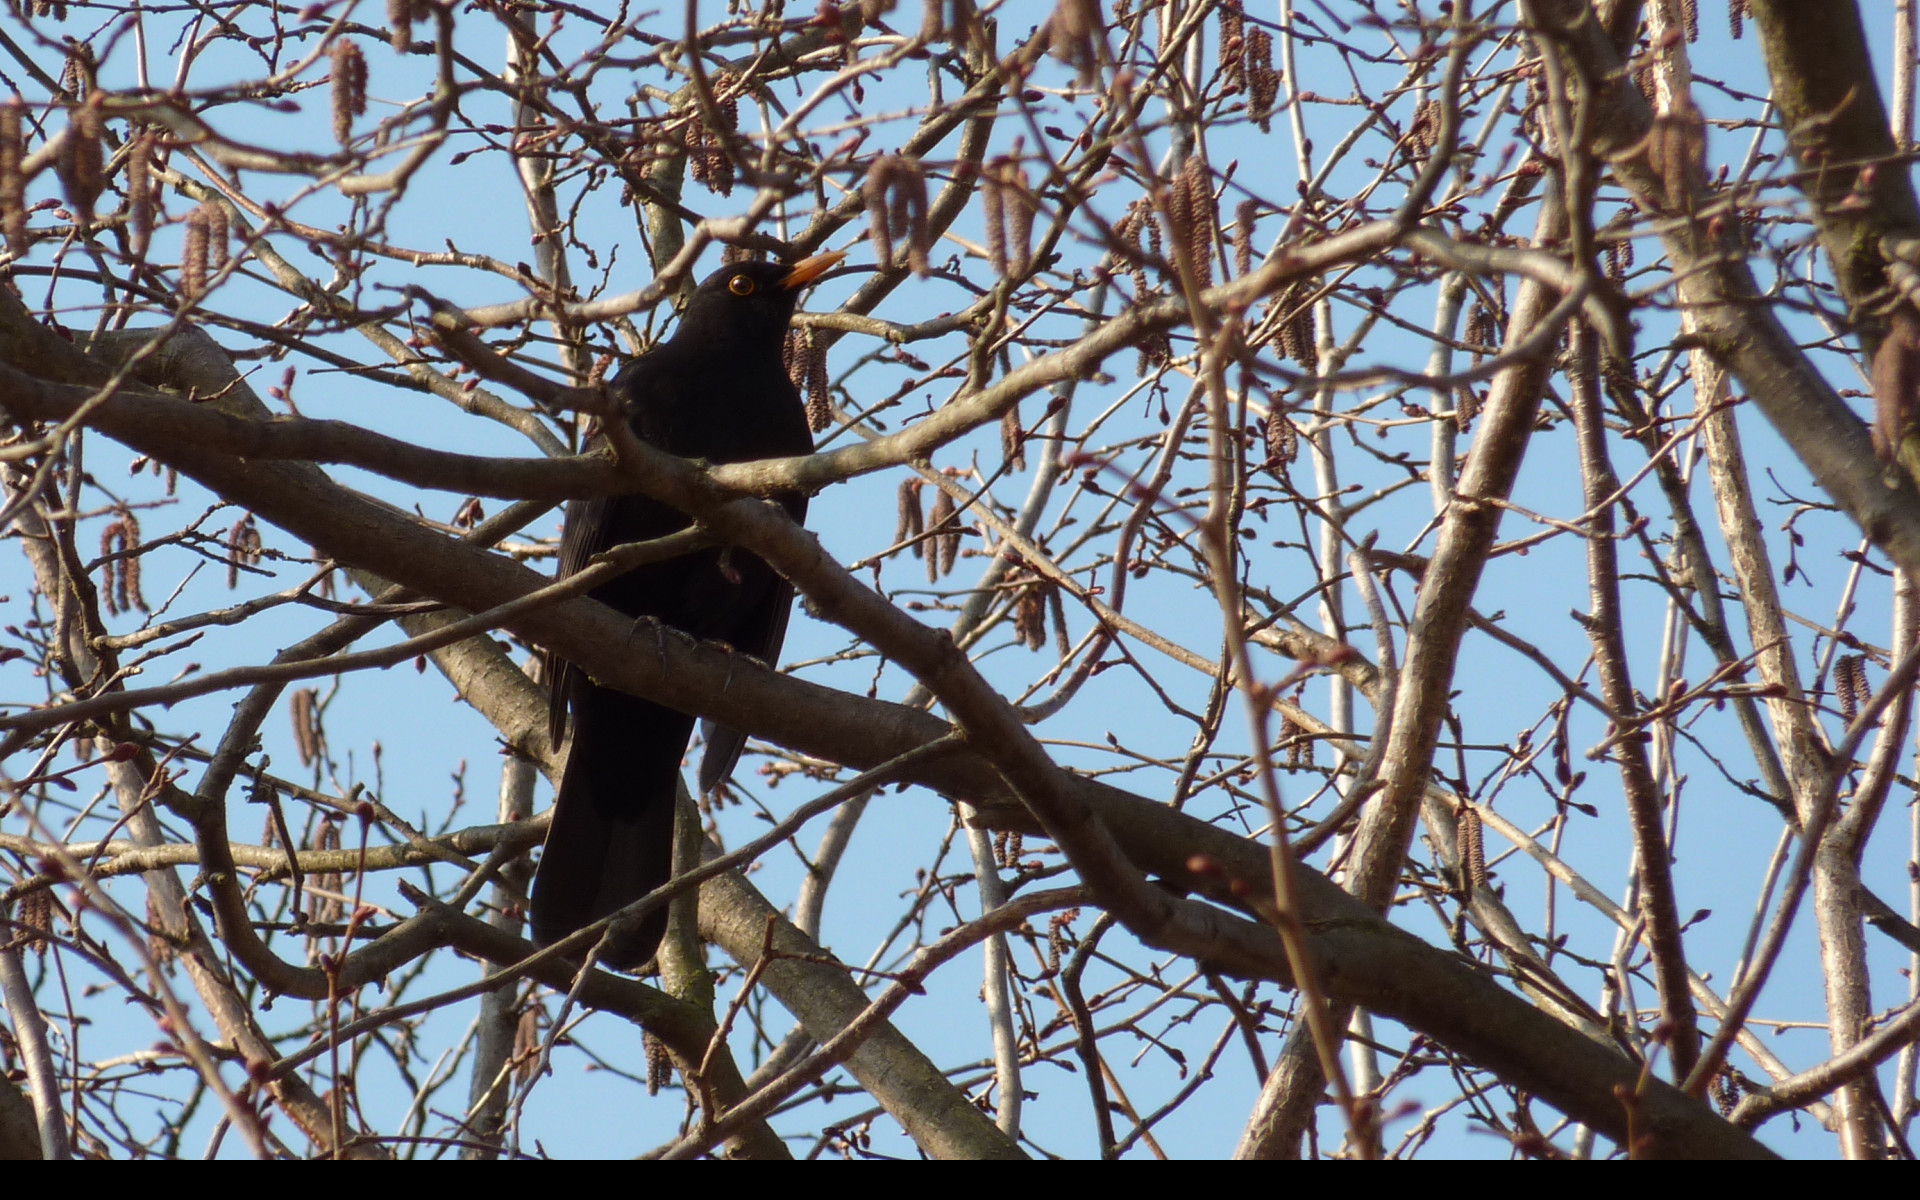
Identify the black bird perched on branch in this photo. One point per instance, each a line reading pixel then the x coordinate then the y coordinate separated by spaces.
pixel 716 390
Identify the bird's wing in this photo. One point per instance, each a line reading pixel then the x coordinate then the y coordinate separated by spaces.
pixel 724 743
pixel 762 639
pixel 585 535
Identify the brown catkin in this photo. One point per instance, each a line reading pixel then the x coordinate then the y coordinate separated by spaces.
pixel 1244 216
pixel 120 586
pixel 1725 1090
pixel 1071 32
pixel 993 204
pixel 1263 82
pixel 911 522
pixel 526 1045
pixel 1283 442
pixel 659 1064
pixel 82 163
pixel 707 159
pixel 35 917
pixel 1179 207
pixel 909 217
pixel 77 73
pixel 325 910
pixel 193 259
pixel 1030 616
pixel 140 196
pixel 1019 220
pixel 217 234
pixel 1690 14
pixel 1473 849
pixel 1128 232
pixel 349 88
pixel 939 558
pixel 1677 151
pixel 895 192
pixel 13 180
pixel 1482 333
pixel 1424 133
pixel 791 354
pixel 1299 745
pixel 1202 230
pixel 401 14
pixel 1466 406
pixel 1233 44
pixel 1737 11
pixel 1013 439
pixel 1295 306
pixel 302 709
pixel 819 388
pixel 1060 925
pixel 1850 684
pixel 243 546
pixel 695 139
pixel 879 215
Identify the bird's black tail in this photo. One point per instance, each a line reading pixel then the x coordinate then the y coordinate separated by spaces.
pixel 611 841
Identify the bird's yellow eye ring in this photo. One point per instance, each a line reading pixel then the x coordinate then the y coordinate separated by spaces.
pixel 741 285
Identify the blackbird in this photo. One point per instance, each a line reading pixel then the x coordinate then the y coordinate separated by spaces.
pixel 716 390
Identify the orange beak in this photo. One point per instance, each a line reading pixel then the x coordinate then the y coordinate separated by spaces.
pixel 809 269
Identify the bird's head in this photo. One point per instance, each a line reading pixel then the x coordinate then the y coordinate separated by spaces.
pixel 750 304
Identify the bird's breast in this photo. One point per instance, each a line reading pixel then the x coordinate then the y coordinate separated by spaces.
pixel 718 410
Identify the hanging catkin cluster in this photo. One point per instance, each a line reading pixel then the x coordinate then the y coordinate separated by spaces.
pixel 120 545
pixel 1470 838
pixel 1233 46
pixel 1423 133
pixel 896 196
pixel 325 907
pixel 1676 149
pixel 1263 82
pixel 1036 595
pixel 1850 684
pixel 707 159
pixel 1013 439
pixel 205 249
pixel 243 546
pixel 1246 63
pixel 944 525
pixel 1293 309
pixel 1157 349
pixel 1191 213
pixel 349 88
pixel 401 14
pixel 1283 443
pixel 13 179
pixel 1070 37
pixel 806 362
pixel 1244 216
pixel 1009 213
pixel 1139 219
pixel 140 194
pixel 81 164
pixel 1619 258
pixel 912 522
